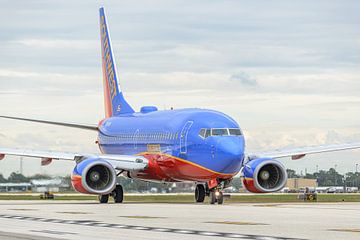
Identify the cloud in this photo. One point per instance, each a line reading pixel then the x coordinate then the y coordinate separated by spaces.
pixel 287 72
pixel 244 79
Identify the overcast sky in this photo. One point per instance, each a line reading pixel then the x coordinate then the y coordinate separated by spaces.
pixel 287 71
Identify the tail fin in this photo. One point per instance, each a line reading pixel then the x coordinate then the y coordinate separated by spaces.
pixel 115 103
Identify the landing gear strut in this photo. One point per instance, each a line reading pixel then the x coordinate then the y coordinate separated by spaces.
pixel 200 193
pixel 117 194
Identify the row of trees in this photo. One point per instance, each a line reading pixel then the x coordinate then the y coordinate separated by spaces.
pixel 330 177
pixel 324 178
pixel 128 184
pixel 19 178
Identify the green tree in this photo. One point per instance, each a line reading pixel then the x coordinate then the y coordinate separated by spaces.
pixel 310 176
pixel 329 178
pixel 2 179
pixel 291 173
pixel 352 179
pixel 17 178
pixel 40 176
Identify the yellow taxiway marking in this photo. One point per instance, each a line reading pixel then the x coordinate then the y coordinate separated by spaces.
pixel 347 230
pixel 267 205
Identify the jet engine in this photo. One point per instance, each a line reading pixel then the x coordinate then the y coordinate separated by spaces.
pixel 94 176
pixel 264 175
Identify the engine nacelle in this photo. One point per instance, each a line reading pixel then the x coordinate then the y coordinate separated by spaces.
pixel 94 176
pixel 264 175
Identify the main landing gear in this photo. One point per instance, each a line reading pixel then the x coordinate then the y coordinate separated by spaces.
pixel 215 195
pixel 117 194
pixel 200 193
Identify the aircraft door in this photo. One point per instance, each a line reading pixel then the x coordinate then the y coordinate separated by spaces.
pixel 183 136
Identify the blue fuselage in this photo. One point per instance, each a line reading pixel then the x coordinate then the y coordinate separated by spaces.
pixel 177 133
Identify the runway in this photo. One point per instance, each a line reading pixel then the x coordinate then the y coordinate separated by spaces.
pixel 89 220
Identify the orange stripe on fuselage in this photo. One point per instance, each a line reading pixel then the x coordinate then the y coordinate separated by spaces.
pixel 188 162
pixel 169 168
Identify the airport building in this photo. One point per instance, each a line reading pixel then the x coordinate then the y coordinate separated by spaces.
pixel 48 185
pixel 300 183
pixel 15 187
pixel 41 185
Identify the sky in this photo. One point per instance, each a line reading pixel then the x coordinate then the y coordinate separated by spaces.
pixel 287 71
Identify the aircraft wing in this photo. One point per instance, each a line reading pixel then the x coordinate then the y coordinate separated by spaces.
pixel 64 124
pixel 298 153
pixel 119 162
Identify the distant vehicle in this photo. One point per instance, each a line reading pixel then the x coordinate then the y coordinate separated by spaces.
pixel 154 190
pixel 198 145
pixel 231 190
pixel 307 190
pixel 322 189
pixel 352 189
pixel 335 190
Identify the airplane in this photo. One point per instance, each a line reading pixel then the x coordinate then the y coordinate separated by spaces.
pixel 203 146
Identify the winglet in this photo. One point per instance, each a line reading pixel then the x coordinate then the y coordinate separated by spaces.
pixel 115 103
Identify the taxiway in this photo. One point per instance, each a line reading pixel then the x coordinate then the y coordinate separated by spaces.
pixel 89 220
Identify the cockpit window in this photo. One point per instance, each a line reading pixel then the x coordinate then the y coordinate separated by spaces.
pixel 207 132
pixel 219 132
pixel 202 132
pixel 234 131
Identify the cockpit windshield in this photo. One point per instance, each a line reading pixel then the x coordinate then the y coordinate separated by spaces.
pixel 219 132
pixel 235 131
pixel 207 132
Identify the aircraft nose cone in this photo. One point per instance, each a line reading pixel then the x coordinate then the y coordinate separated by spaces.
pixel 230 147
pixel 230 151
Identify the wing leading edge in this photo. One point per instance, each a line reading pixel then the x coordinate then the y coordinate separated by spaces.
pixel 298 153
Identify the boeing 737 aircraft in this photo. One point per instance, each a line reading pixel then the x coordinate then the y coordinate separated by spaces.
pixel 198 145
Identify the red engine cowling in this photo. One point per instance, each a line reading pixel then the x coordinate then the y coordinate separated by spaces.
pixel 94 176
pixel 264 175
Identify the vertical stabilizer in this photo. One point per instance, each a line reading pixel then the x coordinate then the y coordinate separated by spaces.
pixel 115 103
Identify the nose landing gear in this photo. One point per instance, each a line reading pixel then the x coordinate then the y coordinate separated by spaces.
pixel 215 194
